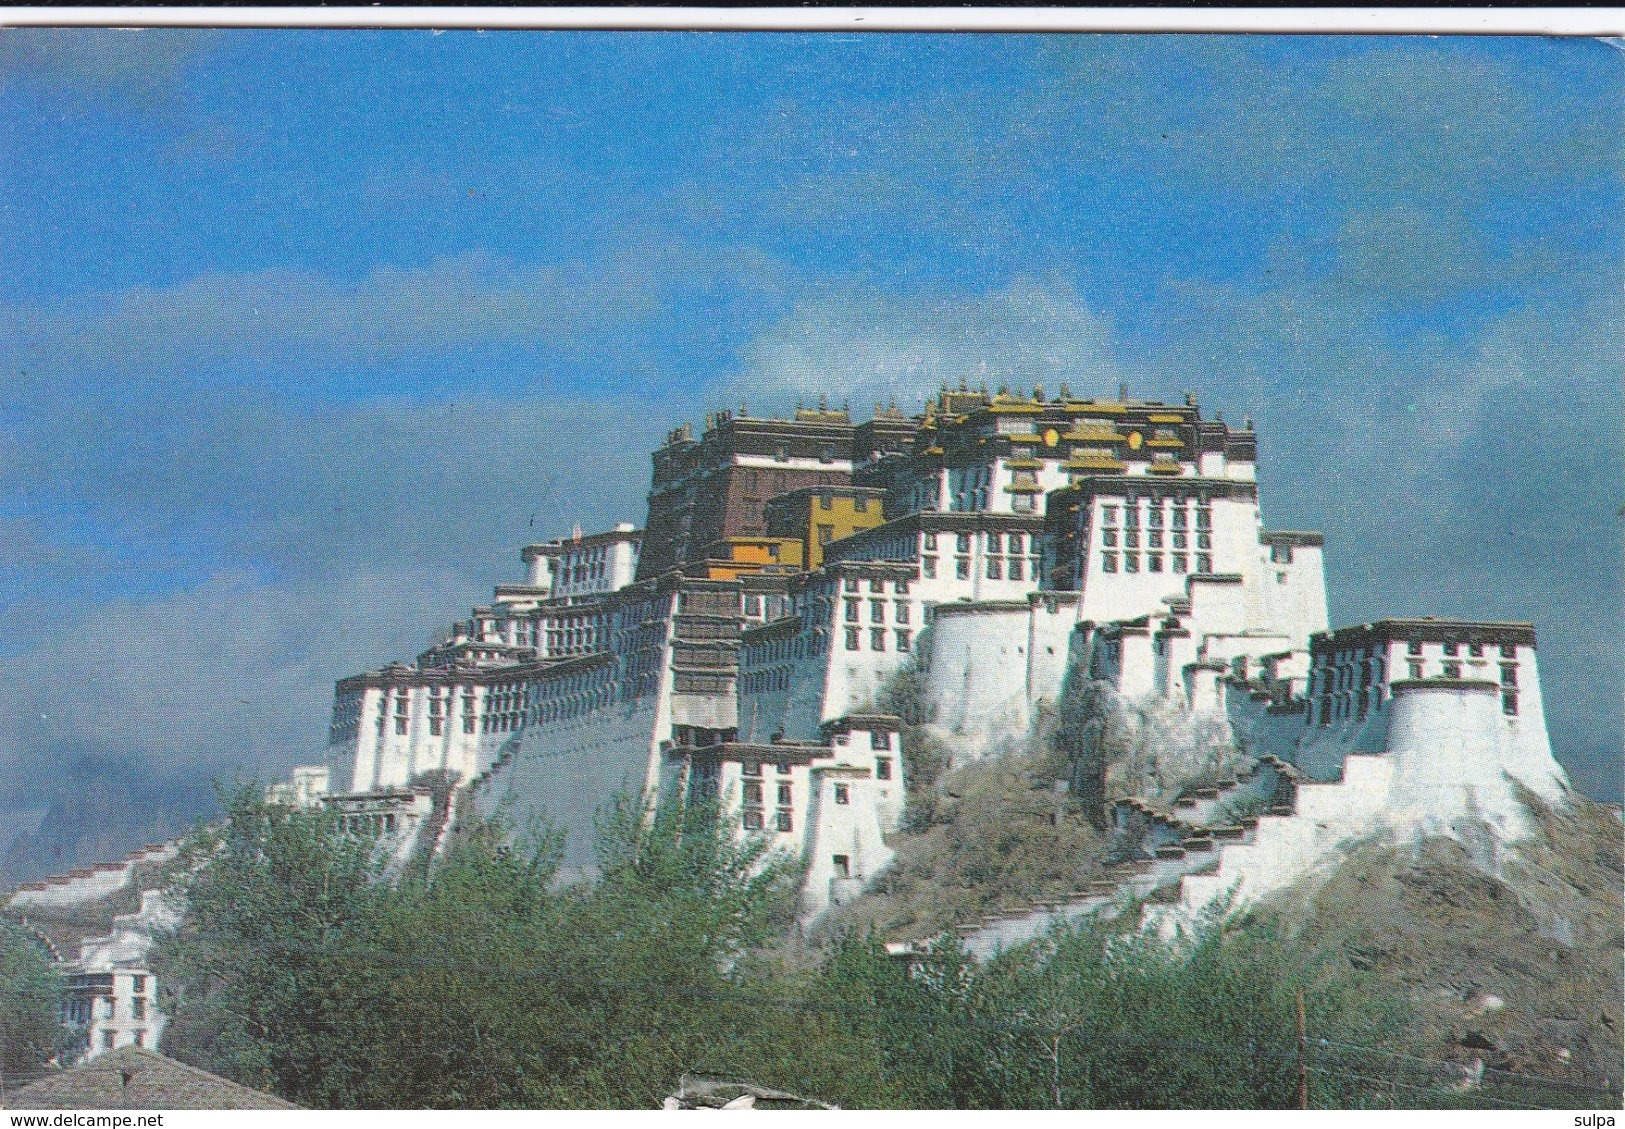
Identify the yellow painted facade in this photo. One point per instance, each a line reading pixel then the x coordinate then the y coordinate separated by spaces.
pixel 744 556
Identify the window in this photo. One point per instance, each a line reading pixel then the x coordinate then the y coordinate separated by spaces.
pixel 1181 562
pixel 852 612
pixel 900 611
pixel 1017 543
pixel 1108 538
pixel 929 567
pixel 1204 519
pixel 851 584
pixel 751 768
pixel 141 1036
pixel 1108 562
pixel 1452 670
pixel 902 641
pixel 843 794
pixel 851 638
pixel 782 821
pixel 1475 650
pixel 877 611
pixel 1131 517
pixel 1452 649
pixel 1204 563
pixel 753 791
pixel 753 821
pixel 1280 554
pixel 138 1008
pixel 1131 562
pixel 138 984
pixel 784 768
pixel 434 726
pixel 825 501
pixel 1180 541
pixel 400 727
pixel 1131 539
pixel 842 864
pixel 1509 651
pixel 1509 703
pixel 107 1040
pixel 1108 515
pixel 1015 568
pixel 1414 647
pixel 1415 670
pixel 930 541
pixel 1179 519
pixel 784 795
pixel 962 568
pixel 995 568
pixel 882 768
pixel 1509 674
pixel 1204 540
pixel 1153 562
pixel 877 639
pixel 1154 516
pixel 826 534
pixel 995 543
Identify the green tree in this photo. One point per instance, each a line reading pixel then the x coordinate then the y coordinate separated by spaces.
pixel 30 1002
pixel 274 895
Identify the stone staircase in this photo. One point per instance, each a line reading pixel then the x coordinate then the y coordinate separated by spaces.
pixel 1161 849
pixel 505 756
pixel 1290 839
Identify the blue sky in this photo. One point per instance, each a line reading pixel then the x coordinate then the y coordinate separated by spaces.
pixel 305 332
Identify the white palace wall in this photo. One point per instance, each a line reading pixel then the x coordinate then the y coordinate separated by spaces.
pixel 977 682
pixel 566 771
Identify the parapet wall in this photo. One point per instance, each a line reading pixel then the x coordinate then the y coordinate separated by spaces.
pixel 89 883
pixel 566 772
pixel 977 680
pixel 1454 752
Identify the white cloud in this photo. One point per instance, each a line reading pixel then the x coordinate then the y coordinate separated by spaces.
pixel 473 299
pixel 869 347
pixel 108 62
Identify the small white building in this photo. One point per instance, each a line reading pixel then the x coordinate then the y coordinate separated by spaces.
pixel 828 804
pixel 110 995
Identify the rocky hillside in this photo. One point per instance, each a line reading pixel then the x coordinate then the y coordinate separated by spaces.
pixel 1511 966
pixel 1507 960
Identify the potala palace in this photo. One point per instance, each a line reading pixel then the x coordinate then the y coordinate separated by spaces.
pixel 1009 546
pixel 1013 550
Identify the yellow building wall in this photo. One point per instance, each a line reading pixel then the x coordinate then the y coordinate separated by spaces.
pixel 842 519
pixel 747 555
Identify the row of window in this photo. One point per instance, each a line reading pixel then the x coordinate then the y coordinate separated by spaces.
pixel 877 639
pixel 1177 517
pixel 998 568
pixel 993 541
pixel 765 681
pixel 877 611
pixel 1153 539
pixel 1509 671
pixel 1177 562
pixel 753 820
pixel 853 584
pixel 1474 650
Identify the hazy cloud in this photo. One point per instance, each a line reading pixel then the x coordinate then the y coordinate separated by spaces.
pixel 473 299
pixel 871 347
pixel 138 63
pixel 315 543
